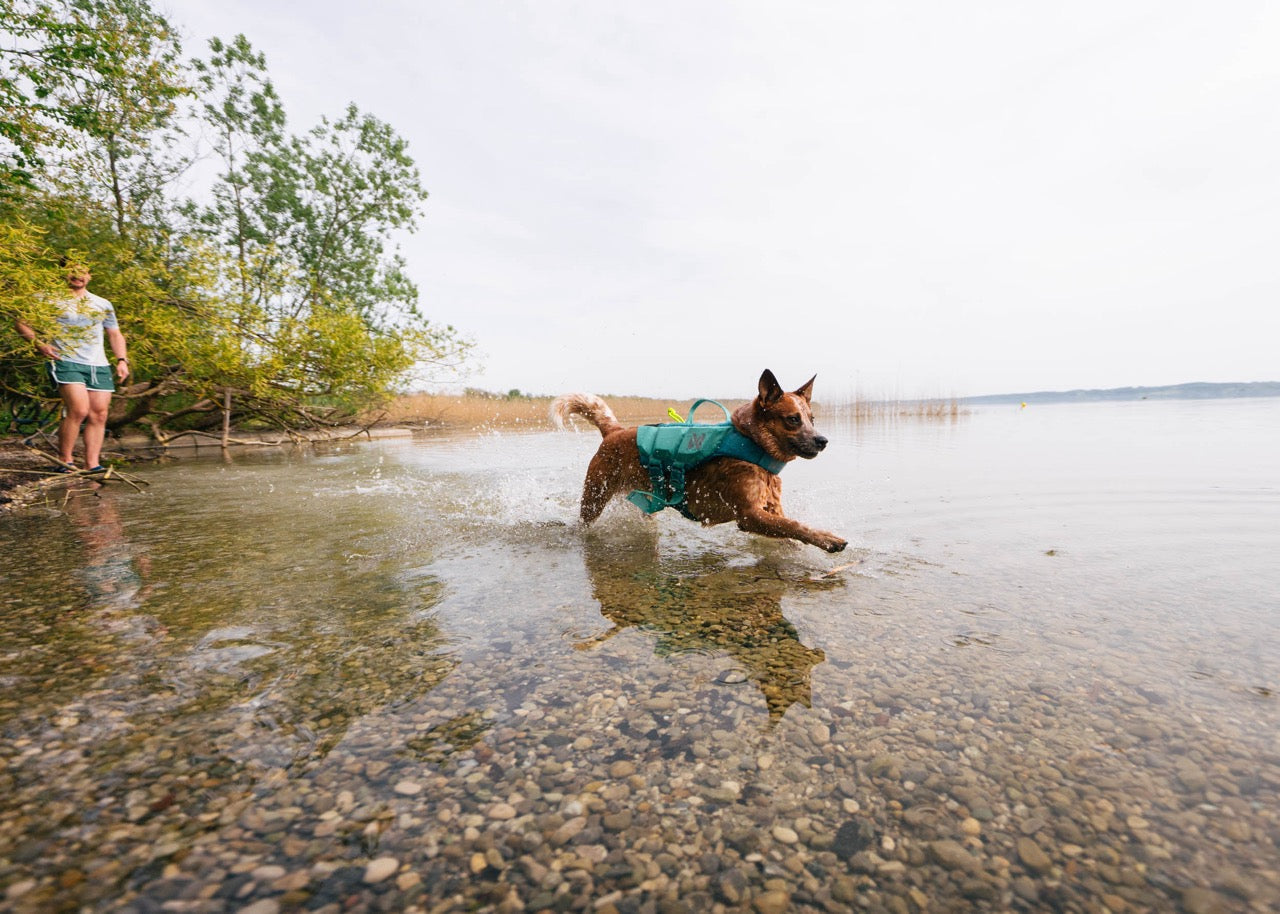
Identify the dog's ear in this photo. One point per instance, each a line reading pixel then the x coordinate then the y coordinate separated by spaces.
pixel 807 390
pixel 770 390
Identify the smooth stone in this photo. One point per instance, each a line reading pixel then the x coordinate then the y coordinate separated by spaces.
pixel 844 890
pixel 622 770
pixel 1198 900
pixel 566 833
pixel 1025 889
pixel 884 765
pixel 731 886
pixel 264 906
pixel 772 902
pixel 618 821
pixel 1190 776
pixel 502 811
pixel 1033 856
pixel 380 869
pixel 785 835
pixel 18 889
pixel 952 855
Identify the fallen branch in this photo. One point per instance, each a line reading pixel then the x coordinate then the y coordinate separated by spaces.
pixel 64 473
pixel 832 572
pixel 164 442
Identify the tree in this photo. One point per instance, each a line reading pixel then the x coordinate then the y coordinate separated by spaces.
pixel 99 81
pixel 247 122
pixel 281 287
pixel 323 308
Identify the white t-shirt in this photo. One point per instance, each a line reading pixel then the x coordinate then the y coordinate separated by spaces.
pixel 83 320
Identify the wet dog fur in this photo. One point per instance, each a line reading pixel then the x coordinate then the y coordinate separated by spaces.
pixel 723 489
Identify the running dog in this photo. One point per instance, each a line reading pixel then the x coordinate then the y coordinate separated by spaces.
pixel 723 488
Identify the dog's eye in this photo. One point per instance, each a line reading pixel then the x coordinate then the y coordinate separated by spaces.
pixel 792 421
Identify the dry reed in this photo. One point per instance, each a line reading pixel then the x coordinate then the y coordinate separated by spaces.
pixel 474 410
pixel 863 409
pixel 477 410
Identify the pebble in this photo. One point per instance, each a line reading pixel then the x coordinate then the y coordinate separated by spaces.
pixel 16 890
pixel 771 902
pixel 785 835
pixel 1198 900
pixel 265 906
pixel 380 869
pixel 952 856
pixel 1033 856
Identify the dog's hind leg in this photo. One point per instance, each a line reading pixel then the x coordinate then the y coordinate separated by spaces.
pixel 600 486
pixel 615 468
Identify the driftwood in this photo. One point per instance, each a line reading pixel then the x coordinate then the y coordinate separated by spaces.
pixel 165 440
pixel 832 572
pixel 74 475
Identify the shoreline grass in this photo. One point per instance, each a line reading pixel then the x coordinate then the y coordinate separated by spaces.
pixel 481 410
pixel 934 409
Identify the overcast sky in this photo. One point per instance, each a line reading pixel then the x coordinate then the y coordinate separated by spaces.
pixel 913 198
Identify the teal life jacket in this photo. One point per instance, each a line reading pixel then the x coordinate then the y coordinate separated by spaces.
pixel 672 449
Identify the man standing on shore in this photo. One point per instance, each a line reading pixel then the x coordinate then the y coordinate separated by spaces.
pixel 79 367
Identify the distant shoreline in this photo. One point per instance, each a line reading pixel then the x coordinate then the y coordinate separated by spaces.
pixel 1192 391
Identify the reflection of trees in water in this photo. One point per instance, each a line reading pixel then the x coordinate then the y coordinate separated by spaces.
pixel 257 664
pixel 225 692
pixel 283 630
pixel 326 665
pixel 703 605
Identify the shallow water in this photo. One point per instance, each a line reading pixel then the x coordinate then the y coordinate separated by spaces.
pixel 395 674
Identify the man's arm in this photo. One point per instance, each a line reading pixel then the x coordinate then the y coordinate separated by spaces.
pixel 48 350
pixel 121 351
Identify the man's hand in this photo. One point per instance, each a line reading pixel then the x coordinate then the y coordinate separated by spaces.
pixel 48 350
pixel 122 369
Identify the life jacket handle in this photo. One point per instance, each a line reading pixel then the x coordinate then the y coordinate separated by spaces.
pixel 693 409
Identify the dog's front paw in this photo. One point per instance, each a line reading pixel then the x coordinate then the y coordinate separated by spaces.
pixel 833 544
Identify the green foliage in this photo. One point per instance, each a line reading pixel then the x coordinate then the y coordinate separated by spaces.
pixel 30 286
pixel 96 80
pixel 281 284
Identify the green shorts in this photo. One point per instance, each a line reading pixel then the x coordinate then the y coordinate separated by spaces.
pixel 93 377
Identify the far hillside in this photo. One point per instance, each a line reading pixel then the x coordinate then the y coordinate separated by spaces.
pixel 1193 391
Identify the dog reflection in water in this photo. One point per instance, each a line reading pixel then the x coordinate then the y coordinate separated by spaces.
pixel 701 605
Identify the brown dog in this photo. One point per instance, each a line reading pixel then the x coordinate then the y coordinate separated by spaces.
pixel 722 489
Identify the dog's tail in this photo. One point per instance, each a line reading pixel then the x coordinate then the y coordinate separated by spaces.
pixel 589 406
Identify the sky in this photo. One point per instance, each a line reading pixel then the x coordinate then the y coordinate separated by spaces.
pixel 905 198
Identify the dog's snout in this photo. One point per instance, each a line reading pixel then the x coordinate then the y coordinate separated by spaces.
pixel 819 442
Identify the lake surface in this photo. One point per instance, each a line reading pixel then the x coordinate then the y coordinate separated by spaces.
pixel 395 675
